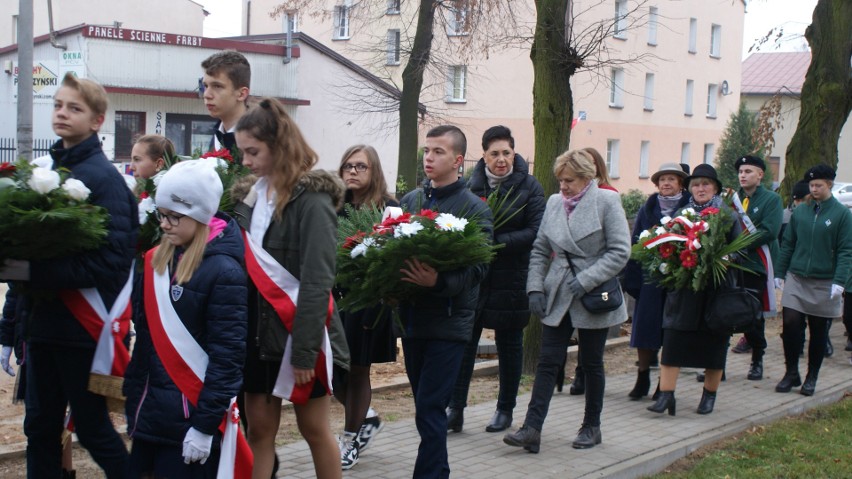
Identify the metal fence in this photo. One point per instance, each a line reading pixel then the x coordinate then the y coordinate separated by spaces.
pixel 9 149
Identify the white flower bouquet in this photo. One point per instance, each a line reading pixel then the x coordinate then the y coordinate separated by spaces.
pixel 45 214
pixel 369 262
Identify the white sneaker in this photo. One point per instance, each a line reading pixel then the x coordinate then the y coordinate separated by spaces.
pixel 349 456
pixel 371 427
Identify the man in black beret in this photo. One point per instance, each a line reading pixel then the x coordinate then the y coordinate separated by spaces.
pixel 762 212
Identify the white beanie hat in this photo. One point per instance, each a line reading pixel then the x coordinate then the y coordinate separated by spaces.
pixel 190 188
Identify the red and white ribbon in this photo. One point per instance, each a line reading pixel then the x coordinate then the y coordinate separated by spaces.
pixel 186 363
pixel 693 231
pixel 281 290
pixel 108 328
pixel 765 258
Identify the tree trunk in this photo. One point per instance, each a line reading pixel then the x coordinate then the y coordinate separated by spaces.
pixel 412 84
pixel 552 113
pixel 826 93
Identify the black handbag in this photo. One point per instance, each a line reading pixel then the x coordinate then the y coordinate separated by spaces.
pixel 604 298
pixel 732 308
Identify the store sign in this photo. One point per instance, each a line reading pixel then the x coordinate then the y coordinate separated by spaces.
pixel 142 36
pixel 47 75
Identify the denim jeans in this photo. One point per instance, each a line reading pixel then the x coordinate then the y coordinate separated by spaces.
pixel 510 349
pixel 427 363
pixel 554 347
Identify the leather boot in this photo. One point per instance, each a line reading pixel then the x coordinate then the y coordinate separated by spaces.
pixel 578 387
pixel 755 372
pixel 525 437
pixel 665 401
pixel 708 400
pixel 643 385
pixel 587 437
pixel 455 419
pixel 809 386
pixel 656 393
pixel 500 421
pixel 790 380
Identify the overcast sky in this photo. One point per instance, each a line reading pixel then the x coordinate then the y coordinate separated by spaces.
pixel 761 15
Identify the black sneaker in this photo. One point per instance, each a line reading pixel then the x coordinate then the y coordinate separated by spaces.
pixel 371 427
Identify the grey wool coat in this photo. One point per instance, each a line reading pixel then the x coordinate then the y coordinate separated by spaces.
pixel 598 239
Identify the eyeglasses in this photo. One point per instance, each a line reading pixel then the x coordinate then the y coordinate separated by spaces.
pixel 359 167
pixel 173 219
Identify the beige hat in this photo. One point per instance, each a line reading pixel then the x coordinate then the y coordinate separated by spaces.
pixel 669 169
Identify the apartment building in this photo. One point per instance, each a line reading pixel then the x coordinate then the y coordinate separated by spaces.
pixel 671 106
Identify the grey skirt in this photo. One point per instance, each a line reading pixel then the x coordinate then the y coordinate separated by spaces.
pixel 811 296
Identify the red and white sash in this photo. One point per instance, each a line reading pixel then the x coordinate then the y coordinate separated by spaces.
pixel 108 328
pixel 763 253
pixel 281 290
pixel 186 363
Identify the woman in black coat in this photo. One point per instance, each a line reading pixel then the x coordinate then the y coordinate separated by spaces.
pixel 647 333
pixel 502 296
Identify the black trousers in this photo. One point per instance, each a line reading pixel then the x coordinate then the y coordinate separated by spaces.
pixel 56 377
pixel 554 347
pixel 757 336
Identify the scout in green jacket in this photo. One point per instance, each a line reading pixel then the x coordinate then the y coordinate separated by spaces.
pixel 762 215
pixel 813 269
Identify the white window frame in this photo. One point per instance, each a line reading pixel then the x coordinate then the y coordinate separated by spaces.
pixel 393 7
pixel 684 153
pixel 716 41
pixel 393 47
pixel 457 84
pixel 619 24
pixel 693 35
pixel 653 21
pixel 644 158
pixel 712 96
pixel 616 88
pixel 649 92
pixel 613 148
pixel 709 151
pixel 689 100
pixel 457 21
pixel 342 15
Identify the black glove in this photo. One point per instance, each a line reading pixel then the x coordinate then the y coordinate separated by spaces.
pixel 538 303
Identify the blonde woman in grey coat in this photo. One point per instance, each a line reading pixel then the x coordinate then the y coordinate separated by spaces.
pixel 587 223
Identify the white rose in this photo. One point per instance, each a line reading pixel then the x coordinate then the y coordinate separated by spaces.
pixel 644 234
pixel 43 180
pixel 407 229
pixel 660 230
pixel 664 268
pixel 146 206
pixel 448 222
pixel 358 250
pixel 665 220
pixel 76 189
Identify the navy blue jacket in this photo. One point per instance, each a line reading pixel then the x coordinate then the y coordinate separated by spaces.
pixel 503 302
pixel 212 306
pixel 106 268
pixel 446 312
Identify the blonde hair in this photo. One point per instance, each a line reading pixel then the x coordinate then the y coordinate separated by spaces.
pixel 600 167
pixel 93 94
pixel 191 259
pixel 377 189
pixel 292 157
pixel 577 162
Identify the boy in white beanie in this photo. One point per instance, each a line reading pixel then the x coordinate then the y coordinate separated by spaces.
pixel 191 334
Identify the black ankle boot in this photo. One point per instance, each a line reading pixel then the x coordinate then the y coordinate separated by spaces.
pixel 525 437
pixel 755 371
pixel 656 393
pixel 578 387
pixel 666 401
pixel 790 380
pixel 809 387
pixel 643 385
pixel 455 419
pixel 708 400
pixel 587 437
pixel 500 421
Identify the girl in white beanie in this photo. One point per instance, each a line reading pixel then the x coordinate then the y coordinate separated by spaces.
pixel 190 320
pixel 290 226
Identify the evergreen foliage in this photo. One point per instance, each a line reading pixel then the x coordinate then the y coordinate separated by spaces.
pixel 738 141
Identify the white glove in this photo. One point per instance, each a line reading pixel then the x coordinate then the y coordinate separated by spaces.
pixel 5 354
pixel 779 284
pixel 15 270
pixel 196 446
pixel 836 290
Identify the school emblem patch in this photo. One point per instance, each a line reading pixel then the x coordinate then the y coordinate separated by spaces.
pixel 827 223
pixel 177 292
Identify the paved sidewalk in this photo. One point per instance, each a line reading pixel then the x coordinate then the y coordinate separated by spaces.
pixel 635 441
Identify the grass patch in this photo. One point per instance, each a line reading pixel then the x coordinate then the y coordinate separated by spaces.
pixel 815 444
